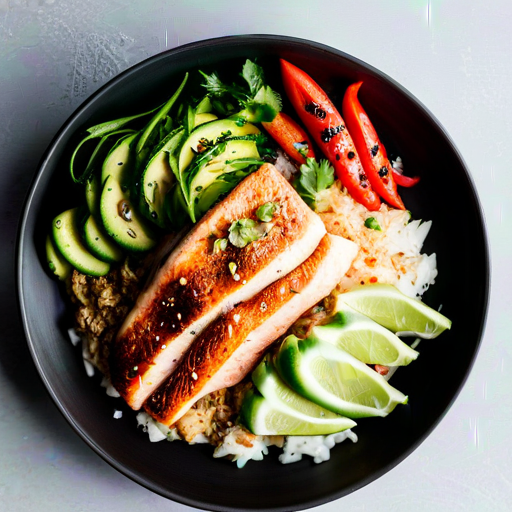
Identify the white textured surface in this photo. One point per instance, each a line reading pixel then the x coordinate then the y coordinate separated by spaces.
pixel 454 55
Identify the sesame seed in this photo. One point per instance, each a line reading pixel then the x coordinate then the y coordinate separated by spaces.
pixel 263 306
pixel 179 316
pixel 163 302
pixel 183 281
pixel 158 338
pixel 236 277
pixel 236 318
pixel 164 346
pixel 173 326
pixel 244 282
pixel 161 324
pixel 172 304
pixel 230 330
pixel 194 375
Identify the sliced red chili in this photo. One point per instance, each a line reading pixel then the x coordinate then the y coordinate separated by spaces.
pixel 327 128
pixel 404 181
pixel 371 151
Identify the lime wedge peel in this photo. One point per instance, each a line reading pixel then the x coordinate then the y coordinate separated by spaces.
pixel 397 312
pixel 334 379
pixel 262 417
pixel 364 339
pixel 279 410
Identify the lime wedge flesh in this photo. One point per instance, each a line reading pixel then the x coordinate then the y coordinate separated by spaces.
pixel 334 379
pixel 365 339
pixel 262 417
pixel 283 411
pixel 397 312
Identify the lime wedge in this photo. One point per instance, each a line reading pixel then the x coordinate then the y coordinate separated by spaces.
pixel 282 411
pixel 334 379
pixel 262 417
pixel 389 307
pixel 365 339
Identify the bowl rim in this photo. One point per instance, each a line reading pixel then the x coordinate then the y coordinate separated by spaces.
pixel 253 39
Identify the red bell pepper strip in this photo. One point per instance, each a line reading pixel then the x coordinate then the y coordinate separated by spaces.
pixel 291 137
pixel 400 179
pixel 326 126
pixel 370 148
pixel 404 181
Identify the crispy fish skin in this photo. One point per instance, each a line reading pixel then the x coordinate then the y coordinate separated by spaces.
pixel 194 285
pixel 232 345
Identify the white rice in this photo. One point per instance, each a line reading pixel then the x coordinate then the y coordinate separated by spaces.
pixel 317 447
pixel 240 453
pixel 391 255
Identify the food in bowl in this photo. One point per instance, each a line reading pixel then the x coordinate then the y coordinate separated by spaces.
pixel 181 342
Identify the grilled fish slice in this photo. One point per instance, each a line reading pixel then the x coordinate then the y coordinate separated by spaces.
pixel 232 345
pixel 196 284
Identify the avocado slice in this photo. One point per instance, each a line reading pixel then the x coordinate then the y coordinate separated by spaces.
pixel 66 234
pixel 211 131
pixel 236 151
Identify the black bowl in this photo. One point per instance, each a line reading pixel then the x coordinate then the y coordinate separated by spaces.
pixel 446 195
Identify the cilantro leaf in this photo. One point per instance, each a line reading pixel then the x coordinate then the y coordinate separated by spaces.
pixel 258 102
pixel 253 75
pixel 220 245
pixel 266 211
pixel 314 178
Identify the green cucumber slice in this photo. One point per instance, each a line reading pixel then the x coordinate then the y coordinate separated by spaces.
pixel 56 262
pixel 119 161
pixel 158 178
pixel 66 235
pixel 122 221
pixel 99 243
pixel 101 149
pixel 93 194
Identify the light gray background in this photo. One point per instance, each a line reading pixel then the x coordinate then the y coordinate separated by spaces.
pixel 454 55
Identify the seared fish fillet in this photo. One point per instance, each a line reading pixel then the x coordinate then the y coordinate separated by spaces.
pixel 196 284
pixel 232 345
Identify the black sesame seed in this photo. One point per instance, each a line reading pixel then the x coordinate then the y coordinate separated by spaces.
pixel 351 155
pixel 383 171
pixel 375 150
pixel 315 110
pixel 327 134
pixel 338 156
